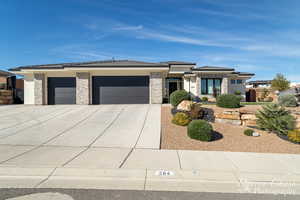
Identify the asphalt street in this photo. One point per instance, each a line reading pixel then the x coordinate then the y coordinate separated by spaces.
pixel 80 194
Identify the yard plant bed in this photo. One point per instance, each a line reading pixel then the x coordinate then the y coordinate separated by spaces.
pixel 232 138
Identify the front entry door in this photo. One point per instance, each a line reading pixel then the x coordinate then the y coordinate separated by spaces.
pixel 172 87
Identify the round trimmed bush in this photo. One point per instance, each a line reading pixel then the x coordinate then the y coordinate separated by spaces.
pixel 178 96
pixel 237 92
pixel 229 101
pixel 249 132
pixel 287 100
pixel 181 119
pixel 200 130
pixel 204 99
pixel 294 136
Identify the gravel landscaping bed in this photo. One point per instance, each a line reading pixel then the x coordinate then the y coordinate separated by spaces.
pixel 233 139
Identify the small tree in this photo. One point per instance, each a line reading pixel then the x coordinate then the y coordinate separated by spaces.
pixel 280 83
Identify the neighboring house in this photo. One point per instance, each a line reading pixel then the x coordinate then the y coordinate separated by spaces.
pixel 3 78
pixel 124 81
pixel 259 83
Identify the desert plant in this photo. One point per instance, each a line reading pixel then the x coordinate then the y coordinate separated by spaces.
pixel 280 83
pixel 200 130
pixel 204 99
pixel 181 119
pixel 294 136
pixel 288 100
pixel 237 92
pixel 178 96
pixel 248 132
pixel 228 101
pixel 275 118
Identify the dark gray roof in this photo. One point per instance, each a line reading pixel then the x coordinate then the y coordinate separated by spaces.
pixel 244 73
pixel 259 82
pixel 6 73
pixel 212 68
pixel 178 63
pixel 95 64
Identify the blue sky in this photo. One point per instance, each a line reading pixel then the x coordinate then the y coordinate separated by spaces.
pixel 260 36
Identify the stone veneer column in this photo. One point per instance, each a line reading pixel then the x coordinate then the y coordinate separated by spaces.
pixel 224 89
pixel 156 87
pixel 198 86
pixel 83 88
pixel 39 90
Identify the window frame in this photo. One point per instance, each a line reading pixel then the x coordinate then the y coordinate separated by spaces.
pixel 206 85
pixel 239 81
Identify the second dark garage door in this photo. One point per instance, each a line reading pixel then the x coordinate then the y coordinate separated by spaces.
pixel 61 90
pixel 120 89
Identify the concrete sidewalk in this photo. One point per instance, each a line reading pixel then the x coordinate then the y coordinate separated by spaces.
pixel 163 170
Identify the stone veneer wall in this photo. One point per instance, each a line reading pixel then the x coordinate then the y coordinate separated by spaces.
pixel 82 88
pixel 224 86
pixel 39 95
pixel 156 87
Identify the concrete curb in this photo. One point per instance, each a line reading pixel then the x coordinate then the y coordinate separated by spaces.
pixel 155 180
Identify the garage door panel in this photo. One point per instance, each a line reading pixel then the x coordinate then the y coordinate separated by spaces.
pixel 124 91
pixel 61 90
pixel 121 89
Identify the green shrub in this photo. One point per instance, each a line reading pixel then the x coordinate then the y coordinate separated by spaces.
pixel 275 118
pixel 181 119
pixel 237 92
pixel 178 96
pixel 229 101
pixel 294 136
pixel 200 130
pixel 248 132
pixel 204 99
pixel 287 100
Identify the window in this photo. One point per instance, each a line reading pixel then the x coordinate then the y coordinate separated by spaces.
pixel 210 85
pixel 239 81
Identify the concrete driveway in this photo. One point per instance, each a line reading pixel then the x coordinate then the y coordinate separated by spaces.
pixel 88 136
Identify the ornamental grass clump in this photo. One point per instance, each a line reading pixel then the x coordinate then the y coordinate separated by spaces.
pixel 275 118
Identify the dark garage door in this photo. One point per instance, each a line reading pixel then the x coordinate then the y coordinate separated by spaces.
pixel 120 89
pixel 61 90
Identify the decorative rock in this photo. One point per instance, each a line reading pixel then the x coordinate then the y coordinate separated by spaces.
pixel 228 114
pixel 229 121
pixel 185 105
pixel 255 134
pixel 248 117
pixel 249 123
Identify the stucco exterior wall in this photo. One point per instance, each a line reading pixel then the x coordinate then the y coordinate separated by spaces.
pixel 28 89
pixel 189 85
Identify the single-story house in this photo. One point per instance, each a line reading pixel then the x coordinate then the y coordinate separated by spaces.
pixel 124 81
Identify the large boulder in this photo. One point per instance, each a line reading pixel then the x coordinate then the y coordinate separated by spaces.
pixel 194 110
pixel 185 105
